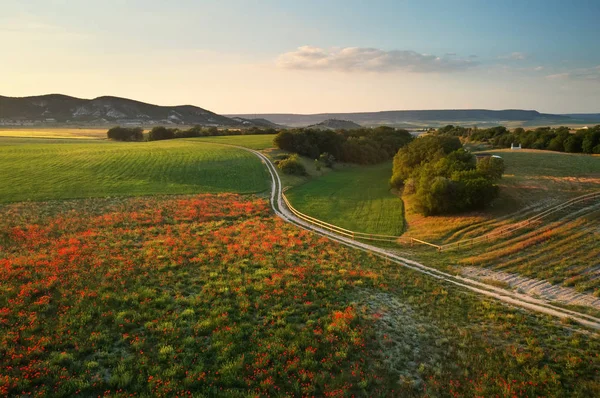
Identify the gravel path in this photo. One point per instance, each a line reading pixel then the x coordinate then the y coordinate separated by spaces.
pixel 535 287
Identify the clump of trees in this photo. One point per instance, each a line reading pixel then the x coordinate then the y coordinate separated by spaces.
pixel 559 139
pixel 444 177
pixel 362 146
pixel 291 165
pixel 161 133
pixel 164 133
pixel 125 134
pixel 168 133
pixel 422 150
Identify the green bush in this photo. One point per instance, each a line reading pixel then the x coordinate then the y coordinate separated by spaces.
pixel 161 133
pixel 292 165
pixel 327 159
pixel 125 134
pixel 491 167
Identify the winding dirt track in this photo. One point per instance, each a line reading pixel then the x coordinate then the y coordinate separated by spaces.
pixel 517 299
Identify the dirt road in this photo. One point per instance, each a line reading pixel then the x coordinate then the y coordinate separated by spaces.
pixel 506 296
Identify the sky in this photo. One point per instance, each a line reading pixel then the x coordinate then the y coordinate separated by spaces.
pixel 309 56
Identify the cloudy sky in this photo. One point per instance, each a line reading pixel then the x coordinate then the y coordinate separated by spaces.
pixel 267 56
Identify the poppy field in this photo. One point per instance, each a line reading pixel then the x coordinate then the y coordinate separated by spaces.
pixel 212 295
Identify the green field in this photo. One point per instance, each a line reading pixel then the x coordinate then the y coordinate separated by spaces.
pixel 62 169
pixel 75 133
pixel 259 141
pixel 356 198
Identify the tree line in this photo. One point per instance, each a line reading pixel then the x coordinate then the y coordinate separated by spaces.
pixel 559 139
pixel 168 133
pixel 361 146
pixel 444 177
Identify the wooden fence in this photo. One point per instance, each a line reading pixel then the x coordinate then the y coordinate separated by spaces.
pixel 454 245
pixel 338 230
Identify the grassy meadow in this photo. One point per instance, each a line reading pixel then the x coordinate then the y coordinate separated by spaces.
pixel 212 295
pixel 354 197
pixel 72 132
pixel 60 169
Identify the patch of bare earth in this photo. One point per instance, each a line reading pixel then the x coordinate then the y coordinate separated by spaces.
pixel 534 287
pixel 409 345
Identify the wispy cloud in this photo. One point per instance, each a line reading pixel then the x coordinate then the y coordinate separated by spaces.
pixel 517 56
pixel 585 74
pixel 357 59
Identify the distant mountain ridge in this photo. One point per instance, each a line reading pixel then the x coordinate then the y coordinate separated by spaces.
pixel 421 118
pixel 53 109
pixel 58 108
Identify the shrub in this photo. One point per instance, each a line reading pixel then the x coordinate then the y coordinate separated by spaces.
pixel 193 132
pixel 292 165
pixel 492 168
pixel 474 190
pixel 434 195
pixel 161 133
pixel 327 159
pixel 126 134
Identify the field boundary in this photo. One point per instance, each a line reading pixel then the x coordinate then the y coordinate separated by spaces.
pixel 506 296
pixel 521 224
pixel 440 248
pixel 334 228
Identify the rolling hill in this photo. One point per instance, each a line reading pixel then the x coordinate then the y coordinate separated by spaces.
pixel 53 109
pixel 424 118
pixel 58 108
pixel 335 124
